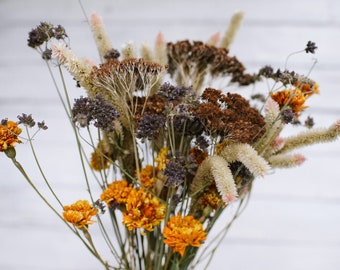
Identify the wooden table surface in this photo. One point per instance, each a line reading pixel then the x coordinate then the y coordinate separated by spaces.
pixel 293 219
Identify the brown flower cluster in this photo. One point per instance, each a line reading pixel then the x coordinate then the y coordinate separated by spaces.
pixel 229 116
pixel 202 58
pixel 154 104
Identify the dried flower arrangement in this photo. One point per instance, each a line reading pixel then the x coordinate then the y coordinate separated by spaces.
pixel 170 153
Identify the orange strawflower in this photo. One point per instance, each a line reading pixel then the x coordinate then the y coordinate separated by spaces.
pixel 211 198
pixel 147 176
pixel 294 98
pixel 307 89
pixel 161 159
pixel 9 135
pixel 117 192
pixel 99 158
pixel 80 214
pixel 181 232
pixel 143 210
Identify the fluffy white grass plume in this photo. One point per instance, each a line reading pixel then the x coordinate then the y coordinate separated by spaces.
pixel 246 154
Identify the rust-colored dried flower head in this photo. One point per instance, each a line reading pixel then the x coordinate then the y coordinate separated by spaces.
pixel 181 232
pixel 229 116
pixel 80 214
pixel 9 132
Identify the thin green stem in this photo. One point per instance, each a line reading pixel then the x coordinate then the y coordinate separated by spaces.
pixel 40 168
pixel 23 172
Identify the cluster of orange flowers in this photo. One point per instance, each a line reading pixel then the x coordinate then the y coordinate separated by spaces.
pixel 142 209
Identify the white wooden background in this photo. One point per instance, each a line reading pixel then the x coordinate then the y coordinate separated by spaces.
pixel 293 219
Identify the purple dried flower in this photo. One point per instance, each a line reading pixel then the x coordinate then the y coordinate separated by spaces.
pixel 81 111
pixel 47 54
pixel 112 54
pixel 149 126
pixel 187 124
pixel 103 113
pixel 42 125
pixel 4 122
pixel 173 93
pixel 86 110
pixel 59 32
pixel 175 171
pixel 202 142
pixel 266 71
pixel 309 122
pixel 26 120
pixel 287 115
pixel 42 33
pixel 310 47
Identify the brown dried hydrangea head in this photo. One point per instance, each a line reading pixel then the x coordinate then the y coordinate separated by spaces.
pixel 229 116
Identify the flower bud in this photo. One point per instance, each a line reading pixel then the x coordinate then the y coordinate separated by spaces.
pixel 10 152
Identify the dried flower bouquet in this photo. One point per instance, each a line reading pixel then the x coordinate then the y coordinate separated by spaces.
pixel 169 152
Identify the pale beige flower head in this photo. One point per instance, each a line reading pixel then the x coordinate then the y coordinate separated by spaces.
pixel 100 36
pixel 272 111
pixel 160 50
pixel 230 34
